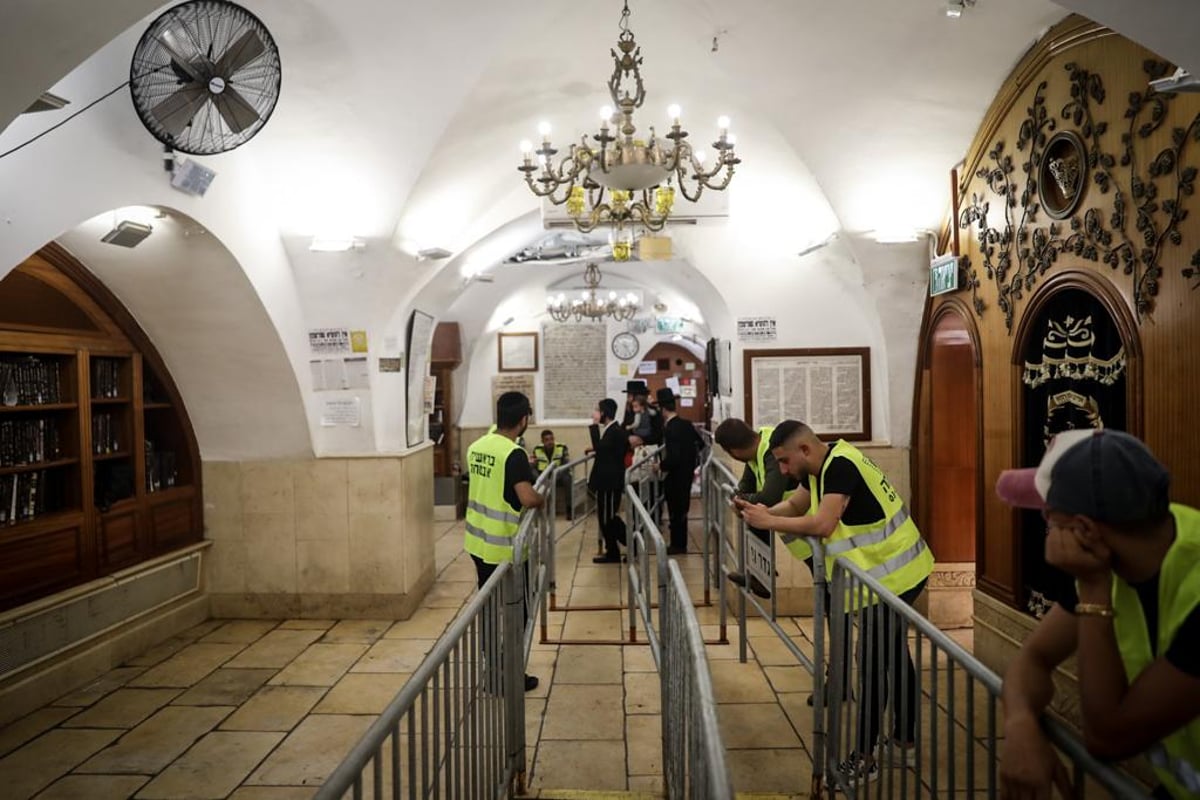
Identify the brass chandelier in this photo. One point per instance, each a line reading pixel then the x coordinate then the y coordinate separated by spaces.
pixel 590 305
pixel 621 179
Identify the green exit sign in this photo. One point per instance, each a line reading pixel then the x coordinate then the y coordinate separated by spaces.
pixel 943 275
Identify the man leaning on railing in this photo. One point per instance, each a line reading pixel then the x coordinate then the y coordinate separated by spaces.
pixel 1135 622
pixel 850 503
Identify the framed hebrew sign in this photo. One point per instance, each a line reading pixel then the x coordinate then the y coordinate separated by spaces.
pixel 829 389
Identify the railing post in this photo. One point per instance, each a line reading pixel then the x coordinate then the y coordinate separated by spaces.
pixel 513 658
pixel 741 540
pixel 820 627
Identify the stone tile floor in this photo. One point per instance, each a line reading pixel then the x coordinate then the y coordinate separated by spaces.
pixel 264 710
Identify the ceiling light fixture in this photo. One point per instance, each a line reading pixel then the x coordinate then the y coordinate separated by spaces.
pixel 590 305
pixel 622 179
pixel 335 244
pixel 127 234
pixel 955 8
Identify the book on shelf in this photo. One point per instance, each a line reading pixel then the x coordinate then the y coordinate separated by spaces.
pixel 29 441
pixel 30 381
pixel 22 497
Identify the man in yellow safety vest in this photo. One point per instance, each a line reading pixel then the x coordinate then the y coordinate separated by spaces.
pixel 762 482
pixel 500 485
pixel 1133 621
pixel 850 503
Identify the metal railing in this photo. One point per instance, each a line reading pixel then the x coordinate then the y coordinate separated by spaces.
pixel 693 751
pixel 457 727
pixel 889 678
pixel 913 714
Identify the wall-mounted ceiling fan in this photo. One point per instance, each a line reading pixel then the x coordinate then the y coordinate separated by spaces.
pixel 205 77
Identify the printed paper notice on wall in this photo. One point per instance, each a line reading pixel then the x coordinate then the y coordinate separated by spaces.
pixel 341 411
pixel 329 341
pixel 358 341
pixel 687 390
pixel 756 329
pixel 647 368
pixel 430 392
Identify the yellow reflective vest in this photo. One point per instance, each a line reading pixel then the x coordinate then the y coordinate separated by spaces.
pixel 890 550
pixel 1176 759
pixel 491 521
pixel 796 545
pixel 543 461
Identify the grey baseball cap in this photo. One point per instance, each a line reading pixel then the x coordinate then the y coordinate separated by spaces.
pixel 1107 475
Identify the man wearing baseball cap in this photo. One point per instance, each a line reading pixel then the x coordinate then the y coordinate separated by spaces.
pixel 1135 623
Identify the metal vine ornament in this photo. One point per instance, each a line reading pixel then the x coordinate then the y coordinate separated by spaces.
pixel 620 179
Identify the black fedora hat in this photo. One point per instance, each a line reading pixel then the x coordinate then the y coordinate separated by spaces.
pixel 637 388
pixel 666 398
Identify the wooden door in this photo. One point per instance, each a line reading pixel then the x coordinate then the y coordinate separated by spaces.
pixel 954 419
pixel 674 361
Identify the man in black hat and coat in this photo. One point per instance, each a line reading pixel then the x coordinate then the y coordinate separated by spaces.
pixel 681 456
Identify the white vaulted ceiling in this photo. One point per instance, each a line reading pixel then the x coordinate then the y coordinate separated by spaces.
pixel 399 120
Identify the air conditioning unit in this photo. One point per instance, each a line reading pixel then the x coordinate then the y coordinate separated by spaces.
pixel 711 205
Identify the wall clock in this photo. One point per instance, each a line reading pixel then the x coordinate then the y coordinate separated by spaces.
pixel 625 345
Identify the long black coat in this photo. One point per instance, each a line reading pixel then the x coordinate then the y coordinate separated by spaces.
pixel 608 472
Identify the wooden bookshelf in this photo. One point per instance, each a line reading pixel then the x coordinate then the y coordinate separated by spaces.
pixel 99 467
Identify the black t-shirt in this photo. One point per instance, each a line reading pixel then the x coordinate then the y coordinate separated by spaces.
pixel 842 477
pixel 516 470
pixel 1184 652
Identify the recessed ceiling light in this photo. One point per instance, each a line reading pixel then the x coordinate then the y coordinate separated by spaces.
pixel 335 244
pixel 127 234
pixel 955 8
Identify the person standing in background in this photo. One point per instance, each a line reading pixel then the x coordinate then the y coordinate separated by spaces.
pixel 610 443
pixel 681 456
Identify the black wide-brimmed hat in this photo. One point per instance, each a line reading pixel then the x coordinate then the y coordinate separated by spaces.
pixel 666 398
pixel 637 388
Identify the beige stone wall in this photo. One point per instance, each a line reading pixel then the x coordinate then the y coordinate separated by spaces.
pixel 328 537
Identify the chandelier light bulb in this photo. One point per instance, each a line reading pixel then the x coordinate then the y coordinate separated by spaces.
pixel 544 129
pixel 526 146
pixel 673 111
pixel 606 113
pixel 723 122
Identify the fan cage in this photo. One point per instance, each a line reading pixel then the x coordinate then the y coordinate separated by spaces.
pixel 203 31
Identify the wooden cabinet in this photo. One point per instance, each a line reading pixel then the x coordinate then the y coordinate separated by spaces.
pixel 99 467
pixel 446 355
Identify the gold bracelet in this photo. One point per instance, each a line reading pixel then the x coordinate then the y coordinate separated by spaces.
pixel 1094 610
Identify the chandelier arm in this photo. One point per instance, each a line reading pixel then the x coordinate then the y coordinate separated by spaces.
pixel 648 218
pixel 724 183
pixel 683 188
pixel 549 189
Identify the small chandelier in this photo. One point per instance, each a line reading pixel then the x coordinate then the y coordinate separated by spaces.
pixel 611 181
pixel 590 305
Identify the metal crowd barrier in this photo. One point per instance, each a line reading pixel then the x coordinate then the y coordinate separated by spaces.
pixel 863 701
pixel 896 678
pixel 693 750
pixel 457 727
